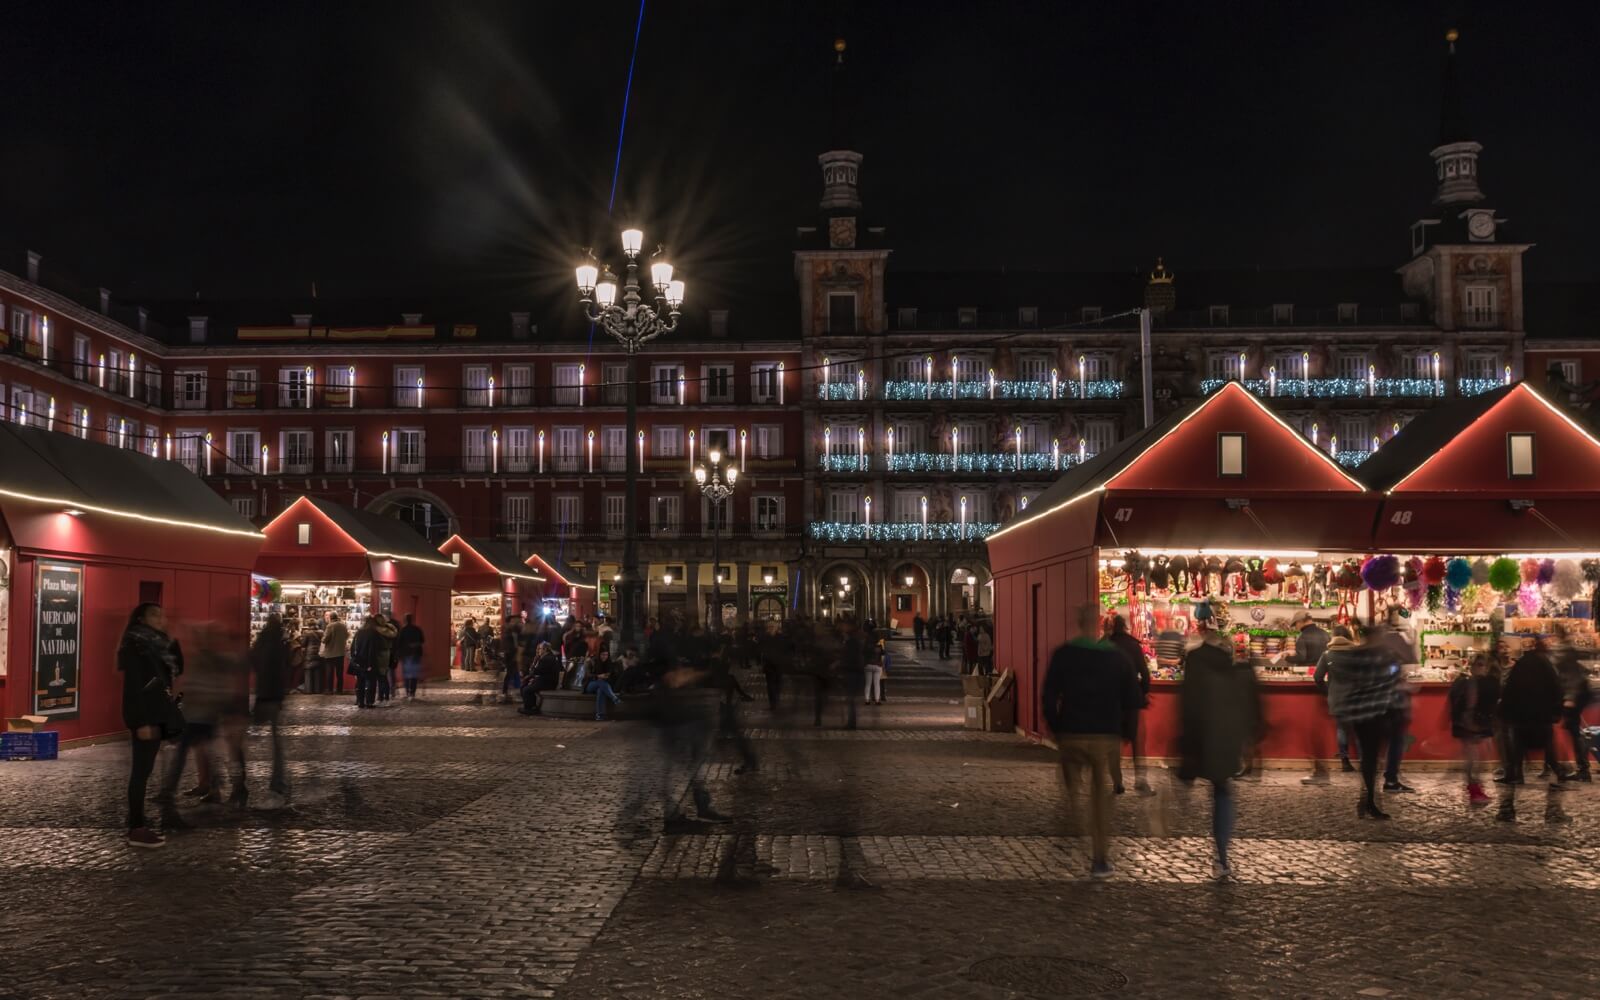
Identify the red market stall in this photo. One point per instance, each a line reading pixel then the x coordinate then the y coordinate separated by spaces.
pixel 565 593
pixel 491 585
pixel 87 532
pixel 321 556
pixel 1221 506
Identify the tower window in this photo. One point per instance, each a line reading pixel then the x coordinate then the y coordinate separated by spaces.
pixel 1480 303
pixel 842 312
pixel 1519 456
pixel 1219 315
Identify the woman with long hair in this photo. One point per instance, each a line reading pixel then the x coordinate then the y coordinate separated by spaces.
pixel 145 658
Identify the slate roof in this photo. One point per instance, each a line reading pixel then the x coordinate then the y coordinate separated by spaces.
pixel 501 556
pixel 377 533
pixel 58 466
pixel 1423 437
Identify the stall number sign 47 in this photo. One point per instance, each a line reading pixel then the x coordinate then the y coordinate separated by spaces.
pixel 1122 514
pixel 1400 517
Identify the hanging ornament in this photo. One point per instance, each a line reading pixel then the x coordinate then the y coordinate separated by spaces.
pixel 1504 575
pixel 1452 599
pixel 1567 582
pixel 1271 573
pixel 1547 572
pixel 1160 575
pixel 1348 576
pixel 1433 571
pixel 1435 598
pixel 1530 570
pixel 1255 568
pixel 1381 572
pixel 1458 573
pixel 1528 599
pixel 1412 571
pixel 1480 571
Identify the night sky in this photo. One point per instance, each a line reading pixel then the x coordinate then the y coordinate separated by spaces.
pixel 171 149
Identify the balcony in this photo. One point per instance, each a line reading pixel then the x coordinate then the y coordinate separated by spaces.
pixel 1351 459
pixel 1064 389
pixel 842 390
pixel 845 463
pixel 915 531
pixel 1333 388
pixel 1478 386
pixel 987 462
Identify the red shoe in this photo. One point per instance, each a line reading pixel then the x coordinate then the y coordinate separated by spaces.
pixel 1476 795
pixel 143 836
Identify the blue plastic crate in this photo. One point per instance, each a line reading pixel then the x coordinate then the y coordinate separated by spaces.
pixel 29 746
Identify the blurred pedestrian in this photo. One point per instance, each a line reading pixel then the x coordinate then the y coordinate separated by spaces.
pixel 1322 677
pixel 918 628
pixel 467 644
pixel 852 665
pixel 1361 683
pixel 1124 642
pixel 1530 704
pixel 1220 716
pixel 684 726
pixel 269 658
pixel 1088 692
pixel 983 648
pixel 382 658
pixel 1576 694
pixel 335 644
pixel 408 647
pixel 1473 697
pixel 1402 653
pixel 873 695
pixel 145 658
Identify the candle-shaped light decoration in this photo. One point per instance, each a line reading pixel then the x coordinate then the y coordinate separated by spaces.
pixel 1313 433
pixel 581 370
pixel 541 453
pixel 44 338
pixel 955 442
pixel 1272 380
pixel 1024 503
pixel 927 369
pixel 22 414
pixel 155 447
pixel 780 383
pixel 385 452
pixel 83 424
pixel 169 447
pixel 1305 367
pixel 309 376
pixel 591 452
pixel 1375 442
pixel 682 396
pixel 51 414
pixel 264 460
pixel 1055 381
pixel 1372 380
pixel 953 367
pixel 122 429
pixel 350 394
pixel 827 444
pixel 494 451
pixel 691 451
pixel 1507 379
pixel 1083 450
pixel 1396 429
pixel 991 383
pixel 419 392
pixel 102 371
pixel 1333 445
pixel 827 370
pixel 889 445
pixel 1241 366
pixel 1055 454
pixel 133 372
pixel 861 447
pixel 491 390
pixel 861 383
pixel 1083 377
pixel 743 448
pixel 208 443
pixel 924 517
pixel 641 451
pixel 963 518
pixel 866 511
pixel 1435 366
pixel 1018 434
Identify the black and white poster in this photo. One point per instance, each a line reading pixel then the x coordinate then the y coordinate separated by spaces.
pixel 386 603
pixel 58 600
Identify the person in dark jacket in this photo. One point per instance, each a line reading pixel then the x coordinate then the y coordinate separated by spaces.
pixel 269 658
pixel 544 675
pixel 1312 641
pixel 1088 694
pixel 852 665
pixel 1361 682
pixel 1133 652
pixel 919 628
pixel 1576 695
pixel 467 643
pixel 145 658
pixel 1472 700
pixel 408 648
pixel 1529 704
pixel 1220 715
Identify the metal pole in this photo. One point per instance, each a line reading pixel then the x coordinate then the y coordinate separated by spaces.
pixel 1146 368
pixel 716 566
pixel 628 592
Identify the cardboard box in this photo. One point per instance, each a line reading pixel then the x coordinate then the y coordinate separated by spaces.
pixel 976 685
pixel 1003 687
pixel 1002 715
pixel 26 724
pixel 975 713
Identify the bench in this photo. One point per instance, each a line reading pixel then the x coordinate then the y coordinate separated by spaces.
pixel 577 705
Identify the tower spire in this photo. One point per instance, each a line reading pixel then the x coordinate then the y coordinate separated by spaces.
pixel 1456 157
pixel 1452 122
pixel 840 164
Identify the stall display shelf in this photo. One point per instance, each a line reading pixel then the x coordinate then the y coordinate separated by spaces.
pixel 480 607
pixel 294 615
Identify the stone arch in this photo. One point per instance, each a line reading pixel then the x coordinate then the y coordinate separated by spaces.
pixel 437 521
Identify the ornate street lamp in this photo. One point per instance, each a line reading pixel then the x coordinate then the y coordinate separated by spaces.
pixel 717 485
pixel 632 322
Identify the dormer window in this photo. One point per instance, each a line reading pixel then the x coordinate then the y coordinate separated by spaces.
pixel 1347 312
pixel 1283 312
pixel 1219 315
pixel 1090 314
pixel 967 316
pixel 1519 455
pixel 1230 455
pixel 1027 316
pixel 302 533
pixel 907 317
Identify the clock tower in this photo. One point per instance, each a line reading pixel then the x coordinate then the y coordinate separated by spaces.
pixel 1460 266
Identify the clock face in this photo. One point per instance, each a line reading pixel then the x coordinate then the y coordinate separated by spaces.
pixel 842 232
pixel 1481 225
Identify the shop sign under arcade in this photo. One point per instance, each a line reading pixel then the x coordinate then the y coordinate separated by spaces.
pixel 58 607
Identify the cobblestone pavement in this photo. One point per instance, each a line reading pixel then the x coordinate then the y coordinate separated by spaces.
pixel 452 848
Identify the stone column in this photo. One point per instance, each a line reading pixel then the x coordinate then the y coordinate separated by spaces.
pixel 743 599
pixel 691 607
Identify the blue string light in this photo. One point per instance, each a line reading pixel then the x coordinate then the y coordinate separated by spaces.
pixel 943 531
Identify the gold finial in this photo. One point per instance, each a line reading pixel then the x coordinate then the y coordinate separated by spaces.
pixel 1452 35
pixel 838 44
pixel 1160 275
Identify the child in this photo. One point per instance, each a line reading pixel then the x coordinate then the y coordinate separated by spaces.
pixel 1473 696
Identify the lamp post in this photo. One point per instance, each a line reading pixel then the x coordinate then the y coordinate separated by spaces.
pixel 717 485
pixel 632 322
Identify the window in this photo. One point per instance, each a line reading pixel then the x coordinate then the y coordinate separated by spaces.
pixel 844 506
pixel 244 451
pixel 189 389
pixel 1478 305
pixel 80 418
pixel 22 326
pixel 338 384
pixel 714 516
pixel 1290 364
pixel 294 451
pixel 1348 312
pixel 566 449
pixel 1409 312
pixel 910 436
pixel 1283 312
pixel 720 438
pixel 613 504
pixel 186 445
pixel 1089 314
pixel 615 391
pixel 519 449
pixel 568 381
pixel 474 449
pixel 241 388
pixel 1355 434
pixel 518 514
pixel 80 357
pixel 613 449
pixel 475 385
pixel 844 439
pixel 766 441
pixel 767 513
pixel 666 378
pixel 408 449
pixel 666 515
pixel 22 409
pixel 1219 315
pixel 1483 366
pixel 1230 454
pixel 906 317
pixel 292 387
pixel 1033 368
pixel 667 442
pixel 977 507
pixel 970 369
pixel 340 450
pixel 519 385
pixel 1035 438
pixel 114 363
pixel 1096 367
pixel 717 383
pixel 408 385
pixel 246 507
pixel 764 383
pixel 966 317
pixel 1570 370
pixel 1418 365
pixel 907 507
pixel 1098 436
pixel 302 533
pixel 1225 365
pixel 909 369
pixel 1519 455
pixel 1027 316
pixel 841 312
pixel 971 438
pixel 1353 366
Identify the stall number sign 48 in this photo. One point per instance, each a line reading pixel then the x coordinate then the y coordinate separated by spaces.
pixel 1400 517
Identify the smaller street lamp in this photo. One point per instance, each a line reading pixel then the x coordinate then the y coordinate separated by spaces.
pixel 716 483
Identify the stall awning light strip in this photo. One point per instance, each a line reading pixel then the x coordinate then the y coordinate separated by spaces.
pixel 520 576
pixel 134 515
pixel 1047 512
pixel 415 559
pixel 1263 553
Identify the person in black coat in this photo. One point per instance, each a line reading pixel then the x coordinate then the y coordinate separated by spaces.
pixel 1220 715
pixel 1473 697
pixel 269 658
pixel 1529 704
pixel 145 658
pixel 1133 652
